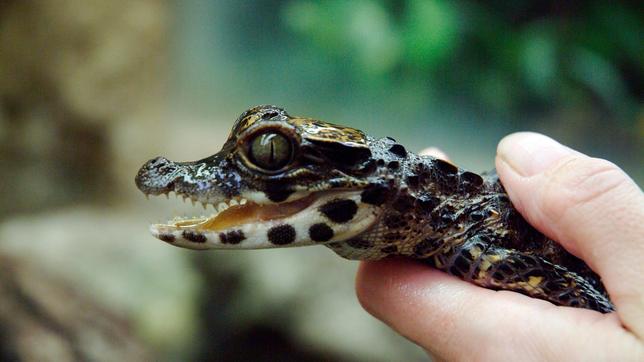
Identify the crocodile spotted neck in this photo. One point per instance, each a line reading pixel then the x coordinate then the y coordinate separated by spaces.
pixel 282 181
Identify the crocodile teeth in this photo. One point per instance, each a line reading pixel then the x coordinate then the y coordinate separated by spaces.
pixel 233 202
pixel 243 201
pixel 222 206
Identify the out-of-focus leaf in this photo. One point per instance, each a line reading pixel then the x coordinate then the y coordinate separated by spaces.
pixel 538 60
pixel 361 31
pixel 324 26
pixel 372 36
pixel 431 32
pixel 597 75
pixel 616 31
pixel 496 90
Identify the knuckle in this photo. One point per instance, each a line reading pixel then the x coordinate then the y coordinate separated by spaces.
pixel 579 181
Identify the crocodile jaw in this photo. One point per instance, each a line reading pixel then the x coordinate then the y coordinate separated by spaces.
pixel 243 224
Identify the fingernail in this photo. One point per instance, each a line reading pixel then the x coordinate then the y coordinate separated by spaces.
pixel 434 152
pixel 531 153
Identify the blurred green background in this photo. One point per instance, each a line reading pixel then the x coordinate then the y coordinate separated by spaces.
pixel 89 90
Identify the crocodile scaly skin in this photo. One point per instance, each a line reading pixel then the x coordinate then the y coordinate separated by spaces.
pixel 284 181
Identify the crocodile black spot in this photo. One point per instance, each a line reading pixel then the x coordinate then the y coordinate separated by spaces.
pixel 391 249
pixel 392 236
pixel 519 264
pixel 443 217
pixel 471 181
pixel 426 246
pixel 404 203
pixel 531 261
pixel 232 237
pixel 369 166
pixel 380 162
pixel 394 221
pixel 447 217
pixel 553 286
pixel 477 215
pixel 532 273
pixel 421 168
pixel 393 165
pixel 374 195
pixel 413 181
pixel 360 243
pixel 398 150
pixel 339 210
pixel 445 167
pixel 283 234
pixel 455 271
pixel 194 236
pixel 168 238
pixel 502 198
pixel 320 232
pixel 467 254
pixel 278 194
pixel 427 204
pixel 462 263
pixel 505 269
pixel 485 238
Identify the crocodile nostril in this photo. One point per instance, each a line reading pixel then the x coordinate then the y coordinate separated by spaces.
pixel 158 161
pixel 165 169
pixel 157 176
pixel 160 166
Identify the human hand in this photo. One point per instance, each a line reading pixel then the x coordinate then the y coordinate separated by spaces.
pixel 592 208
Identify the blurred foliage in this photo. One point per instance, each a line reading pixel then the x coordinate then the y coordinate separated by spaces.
pixel 456 74
pixel 507 55
pixel 83 103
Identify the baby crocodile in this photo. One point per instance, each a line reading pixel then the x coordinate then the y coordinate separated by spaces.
pixel 282 181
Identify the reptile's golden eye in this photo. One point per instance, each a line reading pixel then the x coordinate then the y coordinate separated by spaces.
pixel 271 151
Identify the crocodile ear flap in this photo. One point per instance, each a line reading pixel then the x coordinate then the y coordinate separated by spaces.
pixel 345 154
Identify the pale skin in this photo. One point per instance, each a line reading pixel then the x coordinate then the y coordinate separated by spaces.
pixel 592 208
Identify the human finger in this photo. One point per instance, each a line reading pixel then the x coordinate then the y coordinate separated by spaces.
pixel 455 320
pixel 434 152
pixel 589 205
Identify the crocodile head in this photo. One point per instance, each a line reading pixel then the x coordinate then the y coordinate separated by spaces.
pixel 277 181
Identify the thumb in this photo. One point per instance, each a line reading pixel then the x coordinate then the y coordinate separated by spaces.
pixel 589 205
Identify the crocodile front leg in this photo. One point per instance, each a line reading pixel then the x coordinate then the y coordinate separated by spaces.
pixel 481 262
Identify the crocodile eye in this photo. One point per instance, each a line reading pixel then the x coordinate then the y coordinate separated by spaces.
pixel 270 151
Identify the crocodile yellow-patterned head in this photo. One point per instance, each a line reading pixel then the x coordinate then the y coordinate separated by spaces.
pixel 274 171
pixel 286 138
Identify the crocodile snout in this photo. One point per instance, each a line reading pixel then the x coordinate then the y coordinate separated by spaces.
pixel 157 176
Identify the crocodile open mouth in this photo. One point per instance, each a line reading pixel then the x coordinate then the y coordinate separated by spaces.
pixel 239 211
